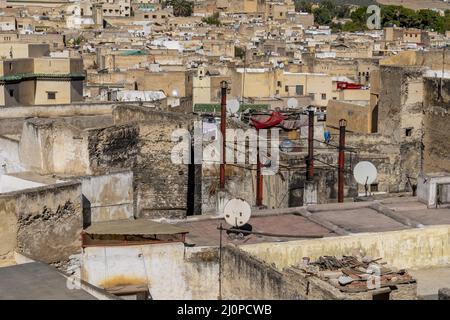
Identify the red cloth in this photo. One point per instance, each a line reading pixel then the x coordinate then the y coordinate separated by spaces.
pixel 271 121
pixel 348 85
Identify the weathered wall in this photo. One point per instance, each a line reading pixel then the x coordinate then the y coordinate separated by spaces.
pixel 114 147
pixel 9 155
pixel 161 187
pixel 43 223
pixel 436 126
pixel 170 270
pixel 412 248
pixel 107 197
pixel 357 116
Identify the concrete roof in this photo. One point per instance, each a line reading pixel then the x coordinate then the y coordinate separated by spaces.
pixel 134 227
pixel 37 281
pixel 205 233
pixel 327 220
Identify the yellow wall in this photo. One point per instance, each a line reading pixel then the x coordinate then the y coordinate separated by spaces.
pixel 413 248
pixel 62 89
pixel 357 116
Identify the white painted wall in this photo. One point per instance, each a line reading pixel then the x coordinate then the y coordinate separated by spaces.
pixel 164 267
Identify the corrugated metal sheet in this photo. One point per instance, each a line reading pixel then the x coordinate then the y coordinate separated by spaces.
pixel 134 227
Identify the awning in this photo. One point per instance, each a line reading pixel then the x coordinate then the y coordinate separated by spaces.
pixel 133 227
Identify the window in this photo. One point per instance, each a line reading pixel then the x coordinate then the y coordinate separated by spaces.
pixel 299 90
pixel 279 83
pixel 408 132
pixel 154 16
pixel 286 88
pixel 11 92
pixel 51 95
pixel 324 96
pixel 146 16
pixel 374 187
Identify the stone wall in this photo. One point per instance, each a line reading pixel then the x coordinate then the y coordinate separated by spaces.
pixel 245 276
pixel 436 126
pixel 161 187
pixel 113 147
pixel 43 223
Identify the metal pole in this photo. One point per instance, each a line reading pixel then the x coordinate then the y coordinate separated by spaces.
pixel 259 180
pixel 310 145
pixel 220 263
pixel 342 125
pixel 223 126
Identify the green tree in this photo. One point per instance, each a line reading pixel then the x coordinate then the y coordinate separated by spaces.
pixel 322 16
pixel 303 6
pixel 213 19
pixel 181 8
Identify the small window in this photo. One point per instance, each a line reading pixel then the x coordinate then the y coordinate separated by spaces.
pixel 51 95
pixel 299 90
pixel 408 132
pixel 324 96
pixel 374 187
pixel 286 88
pixel 279 83
pixel 154 16
pixel 146 16
pixel 11 92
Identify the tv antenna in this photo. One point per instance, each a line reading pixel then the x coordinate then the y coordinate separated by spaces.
pixel 365 173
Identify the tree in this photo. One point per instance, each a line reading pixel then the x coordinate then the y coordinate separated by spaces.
pixel 303 6
pixel 213 20
pixel 181 8
pixel 322 16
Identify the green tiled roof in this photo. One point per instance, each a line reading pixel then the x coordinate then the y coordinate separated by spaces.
pixel 24 76
pixel 210 107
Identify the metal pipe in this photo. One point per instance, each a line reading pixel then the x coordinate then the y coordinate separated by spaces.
pixel 220 263
pixel 341 162
pixel 310 145
pixel 223 126
pixel 259 179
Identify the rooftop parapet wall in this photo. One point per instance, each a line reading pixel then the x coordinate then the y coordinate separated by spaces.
pixel 413 248
pixel 43 223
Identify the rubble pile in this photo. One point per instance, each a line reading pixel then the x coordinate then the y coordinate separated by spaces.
pixel 355 274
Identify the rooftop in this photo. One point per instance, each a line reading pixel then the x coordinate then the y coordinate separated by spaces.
pixel 327 220
pixel 37 281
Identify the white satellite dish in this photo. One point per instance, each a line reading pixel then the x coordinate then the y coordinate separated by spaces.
pixel 292 103
pixel 233 106
pixel 237 212
pixel 365 173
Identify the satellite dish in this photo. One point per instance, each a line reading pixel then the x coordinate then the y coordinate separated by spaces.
pixel 365 173
pixel 292 103
pixel 237 212
pixel 233 106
